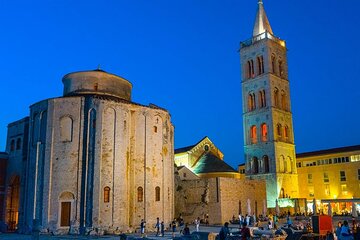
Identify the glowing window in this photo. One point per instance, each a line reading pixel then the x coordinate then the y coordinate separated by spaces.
pixel 253 135
pixel 140 194
pixel 157 194
pixel 264 132
pixel 106 194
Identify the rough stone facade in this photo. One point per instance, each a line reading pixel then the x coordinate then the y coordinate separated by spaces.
pixel 98 162
pixel 219 198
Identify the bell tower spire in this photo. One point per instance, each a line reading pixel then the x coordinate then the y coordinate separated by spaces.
pixel 261 21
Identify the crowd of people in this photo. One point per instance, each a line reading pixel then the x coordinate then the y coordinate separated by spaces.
pixel 343 230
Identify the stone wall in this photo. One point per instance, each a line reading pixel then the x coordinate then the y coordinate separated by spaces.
pixel 219 198
pixel 95 153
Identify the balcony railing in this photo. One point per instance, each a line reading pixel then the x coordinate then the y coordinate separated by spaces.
pixel 264 35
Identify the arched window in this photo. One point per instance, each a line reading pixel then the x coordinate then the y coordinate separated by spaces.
pixel 286 167
pixel 18 144
pixel 255 169
pixel 12 145
pixel 253 137
pixel 251 102
pixel 283 101
pixel 286 133
pixel 248 69
pixel 276 97
pixel 155 129
pixel 281 164
pixel 281 70
pixel 157 194
pixel 140 194
pixel 106 194
pixel 66 129
pixel 252 68
pixel 289 165
pixel 262 98
pixel 266 164
pixel 260 63
pixel 273 63
pixel 279 130
pixel 264 132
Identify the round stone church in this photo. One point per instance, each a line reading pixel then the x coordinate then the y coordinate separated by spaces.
pixel 98 162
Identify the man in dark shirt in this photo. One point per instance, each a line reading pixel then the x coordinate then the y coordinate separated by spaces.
pixel 224 232
pixel 245 232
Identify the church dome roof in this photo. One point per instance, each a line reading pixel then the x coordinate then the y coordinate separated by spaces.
pixel 96 82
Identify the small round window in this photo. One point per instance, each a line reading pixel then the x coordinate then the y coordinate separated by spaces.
pixel 206 147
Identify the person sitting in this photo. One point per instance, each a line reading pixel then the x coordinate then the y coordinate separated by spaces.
pixel 186 230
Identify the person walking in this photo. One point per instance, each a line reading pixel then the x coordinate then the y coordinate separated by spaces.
pixel 142 227
pixel 197 224
pixel 157 226
pixel 173 227
pixel 224 231
pixel 338 230
pixel 162 228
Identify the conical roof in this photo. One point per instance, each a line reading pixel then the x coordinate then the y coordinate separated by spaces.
pixel 261 21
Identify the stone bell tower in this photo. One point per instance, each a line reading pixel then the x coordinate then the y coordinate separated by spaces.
pixel 267 118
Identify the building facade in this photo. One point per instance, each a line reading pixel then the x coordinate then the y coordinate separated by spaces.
pixel 210 189
pixel 331 176
pixel 204 160
pixel 16 147
pixel 97 162
pixel 267 118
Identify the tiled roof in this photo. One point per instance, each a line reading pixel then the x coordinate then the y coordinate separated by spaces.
pixel 209 163
pixel 329 151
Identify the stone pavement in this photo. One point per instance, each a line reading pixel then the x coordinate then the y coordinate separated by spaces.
pixel 168 235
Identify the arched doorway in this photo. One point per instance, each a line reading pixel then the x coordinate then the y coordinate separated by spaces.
pixel 12 203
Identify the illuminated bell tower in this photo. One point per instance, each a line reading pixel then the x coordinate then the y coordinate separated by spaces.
pixel 267 118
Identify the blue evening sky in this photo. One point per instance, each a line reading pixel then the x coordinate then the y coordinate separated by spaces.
pixel 182 55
